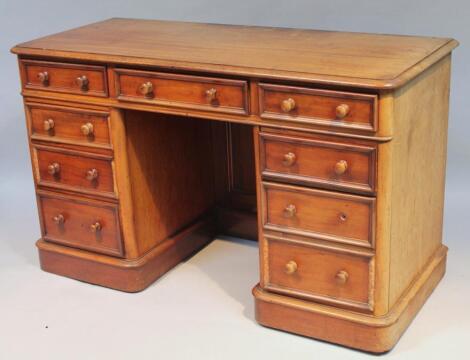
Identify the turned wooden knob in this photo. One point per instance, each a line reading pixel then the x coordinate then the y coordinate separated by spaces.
pixel 43 77
pixel 342 111
pixel 290 211
pixel 53 169
pixel 341 167
pixel 82 82
pixel 289 159
pixel 48 124
pixel 87 129
pixel 291 267
pixel 341 277
pixel 288 105
pixel 59 219
pixel 211 94
pixel 95 227
pixel 92 174
pixel 146 88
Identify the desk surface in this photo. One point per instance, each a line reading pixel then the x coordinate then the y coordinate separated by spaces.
pixel 353 59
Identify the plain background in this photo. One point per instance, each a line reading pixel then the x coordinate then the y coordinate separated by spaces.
pixel 203 309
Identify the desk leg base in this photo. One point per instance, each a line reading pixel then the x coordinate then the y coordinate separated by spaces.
pixel 360 331
pixel 130 275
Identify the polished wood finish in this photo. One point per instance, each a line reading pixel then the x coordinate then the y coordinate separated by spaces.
pixel 314 275
pixel 131 275
pixel 163 183
pixel 318 106
pixel 326 57
pixel 73 222
pixel 63 77
pixel 348 328
pixel 332 155
pixel 182 90
pixel 64 124
pixel 321 214
pixel 69 169
pixel 317 161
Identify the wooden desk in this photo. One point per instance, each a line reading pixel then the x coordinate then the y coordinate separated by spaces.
pixel 328 147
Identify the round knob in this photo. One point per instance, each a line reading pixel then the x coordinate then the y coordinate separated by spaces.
pixel 288 105
pixel 59 219
pixel 343 216
pixel 342 277
pixel 289 159
pixel 211 94
pixel 92 174
pixel 291 267
pixel 342 111
pixel 87 129
pixel 146 88
pixel 43 77
pixel 48 125
pixel 341 167
pixel 95 227
pixel 53 169
pixel 82 82
pixel 290 211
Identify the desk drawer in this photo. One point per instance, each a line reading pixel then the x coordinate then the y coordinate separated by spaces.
pixel 64 77
pixel 318 273
pixel 89 225
pixel 319 214
pixel 196 92
pixel 61 124
pixel 321 107
pixel 78 171
pixel 312 161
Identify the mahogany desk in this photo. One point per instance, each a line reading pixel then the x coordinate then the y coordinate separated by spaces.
pixel 327 147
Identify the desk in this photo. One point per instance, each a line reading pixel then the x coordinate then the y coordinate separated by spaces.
pixel 147 138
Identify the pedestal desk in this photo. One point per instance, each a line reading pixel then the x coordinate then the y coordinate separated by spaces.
pixel 148 138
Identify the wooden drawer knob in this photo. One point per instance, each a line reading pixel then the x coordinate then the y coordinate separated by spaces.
pixel 290 211
pixel 146 88
pixel 82 82
pixel 92 174
pixel 53 169
pixel 48 125
pixel 43 77
pixel 96 227
pixel 342 111
pixel 291 267
pixel 342 277
pixel 211 94
pixel 59 219
pixel 341 167
pixel 289 159
pixel 288 105
pixel 87 129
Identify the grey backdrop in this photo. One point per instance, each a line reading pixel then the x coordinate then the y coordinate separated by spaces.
pixel 22 20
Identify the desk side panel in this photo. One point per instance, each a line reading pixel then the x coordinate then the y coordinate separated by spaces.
pixel 418 174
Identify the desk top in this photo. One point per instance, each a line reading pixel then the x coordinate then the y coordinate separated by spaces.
pixel 340 58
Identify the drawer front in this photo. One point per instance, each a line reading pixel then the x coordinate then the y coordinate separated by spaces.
pixel 83 224
pixel 85 172
pixel 317 273
pixel 320 107
pixel 203 93
pixel 69 125
pixel 316 162
pixel 64 77
pixel 320 214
